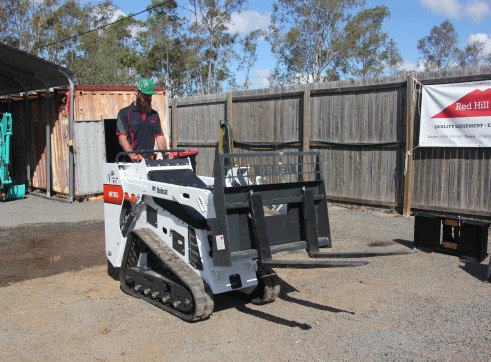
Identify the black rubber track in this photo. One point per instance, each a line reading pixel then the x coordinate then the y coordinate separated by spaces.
pixel 202 298
pixel 268 287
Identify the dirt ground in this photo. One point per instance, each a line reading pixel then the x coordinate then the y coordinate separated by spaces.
pixel 57 302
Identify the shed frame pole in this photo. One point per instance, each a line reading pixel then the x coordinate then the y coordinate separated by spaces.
pixel 48 136
pixel 27 133
pixel 27 119
pixel 71 158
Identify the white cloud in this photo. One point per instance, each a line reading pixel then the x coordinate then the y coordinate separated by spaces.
pixel 411 67
pixel 481 37
pixel 477 10
pixel 247 21
pixel 260 79
pixel 450 8
pixel 117 14
pixel 474 10
pixel 135 29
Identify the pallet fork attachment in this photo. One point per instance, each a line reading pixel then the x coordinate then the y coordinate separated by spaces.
pixel 260 238
pixel 293 179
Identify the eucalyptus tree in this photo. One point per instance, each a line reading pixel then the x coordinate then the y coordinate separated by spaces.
pixel 186 54
pixel 107 54
pixel 321 40
pixel 475 54
pixel 392 58
pixel 370 52
pixel 249 54
pixel 60 30
pixel 164 53
pixel 22 22
pixel 439 49
pixel 307 39
pixel 213 44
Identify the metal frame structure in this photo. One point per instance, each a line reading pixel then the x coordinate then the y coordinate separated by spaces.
pixel 21 72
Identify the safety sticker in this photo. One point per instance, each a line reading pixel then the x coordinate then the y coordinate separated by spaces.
pixel 220 242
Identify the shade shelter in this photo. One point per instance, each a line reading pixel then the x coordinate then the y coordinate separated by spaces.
pixel 21 72
pixel 62 135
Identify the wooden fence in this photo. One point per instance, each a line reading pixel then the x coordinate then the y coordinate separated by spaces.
pixel 366 131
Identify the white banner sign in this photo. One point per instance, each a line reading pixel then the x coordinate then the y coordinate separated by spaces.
pixel 456 115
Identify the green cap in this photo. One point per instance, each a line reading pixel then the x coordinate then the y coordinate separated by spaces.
pixel 145 86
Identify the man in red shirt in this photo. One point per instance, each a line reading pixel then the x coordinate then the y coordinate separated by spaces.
pixel 138 125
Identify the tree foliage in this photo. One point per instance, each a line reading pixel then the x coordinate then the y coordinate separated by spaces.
pixel 370 51
pixel 306 39
pixel 249 55
pixel 23 22
pixel 439 50
pixel 474 55
pixel 213 44
pixel 320 40
pixel 163 55
pixel 190 50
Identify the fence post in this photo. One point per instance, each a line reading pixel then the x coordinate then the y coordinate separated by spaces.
pixel 306 120
pixel 229 113
pixel 174 124
pixel 408 159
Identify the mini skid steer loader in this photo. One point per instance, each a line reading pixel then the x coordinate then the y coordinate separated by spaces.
pixel 175 239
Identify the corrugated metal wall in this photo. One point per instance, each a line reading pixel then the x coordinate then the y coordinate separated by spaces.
pixel 90 155
pixel 28 143
pixel 92 106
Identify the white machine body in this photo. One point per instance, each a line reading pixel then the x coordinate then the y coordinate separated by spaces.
pixel 128 190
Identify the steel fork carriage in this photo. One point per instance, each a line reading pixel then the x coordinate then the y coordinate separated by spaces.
pixel 270 202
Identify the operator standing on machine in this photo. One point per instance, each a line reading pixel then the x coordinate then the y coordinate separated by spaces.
pixel 138 125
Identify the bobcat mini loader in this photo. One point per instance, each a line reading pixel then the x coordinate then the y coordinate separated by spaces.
pixel 175 239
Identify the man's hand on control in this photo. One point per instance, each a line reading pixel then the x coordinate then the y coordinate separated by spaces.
pixel 135 157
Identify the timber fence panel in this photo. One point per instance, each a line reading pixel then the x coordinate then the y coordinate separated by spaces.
pixel 452 180
pixel 198 128
pixel 354 123
pixel 359 127
pixel 267 120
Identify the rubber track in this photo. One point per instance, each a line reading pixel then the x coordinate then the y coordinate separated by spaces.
pixel 268 287
pixel 203 302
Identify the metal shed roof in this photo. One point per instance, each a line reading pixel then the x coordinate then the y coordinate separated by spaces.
pixel 21 72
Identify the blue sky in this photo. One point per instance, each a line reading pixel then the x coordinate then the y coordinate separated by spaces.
pixel 410 20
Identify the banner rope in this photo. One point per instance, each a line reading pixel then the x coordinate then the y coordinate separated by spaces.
pixel 417 97
pixel 406 159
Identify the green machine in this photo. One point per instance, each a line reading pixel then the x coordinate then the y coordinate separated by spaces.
pixel 7 189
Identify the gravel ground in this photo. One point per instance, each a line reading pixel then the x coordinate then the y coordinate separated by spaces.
pixel 41 210
pixel 416 307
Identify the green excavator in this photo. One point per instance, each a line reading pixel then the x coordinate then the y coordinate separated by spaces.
pixel 8 190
